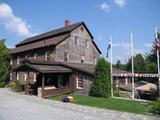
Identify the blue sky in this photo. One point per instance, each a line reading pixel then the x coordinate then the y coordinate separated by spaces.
pixel 23 18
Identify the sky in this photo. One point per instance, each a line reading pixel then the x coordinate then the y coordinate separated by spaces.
pixel 20 19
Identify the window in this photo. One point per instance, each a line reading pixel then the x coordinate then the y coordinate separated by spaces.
pixel 17 60
pixel 87 43
pixel 76 40
pixel 82 59
pixel 25 76
pixel 17 76
pixel 95 60
pixel 35 55
pixel 79 82
pixel 34 77
pixel 60 81
pixel 66 56
pixel 46 56
pixel 10 76
pixel 11 62
pixel 82 29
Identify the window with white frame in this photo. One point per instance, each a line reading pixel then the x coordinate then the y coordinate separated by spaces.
pixel 10 76
pixel 87 43
pixel 82 59
pixel 60 81
pixel 17 75
pixel 11 62
pixel 25 76
pixel 46 56
pixel 35 56
pixel 79 82
pixel 95 60
pixel 66 56
pixel 76 40
pixel 17 60
pixel 34 77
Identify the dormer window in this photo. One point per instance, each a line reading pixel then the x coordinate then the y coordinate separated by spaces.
pixel 17 60
pixel 66 56
pixel 87 43
pixel 82 59
pixel 76 40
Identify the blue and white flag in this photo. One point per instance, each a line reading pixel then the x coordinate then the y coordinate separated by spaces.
pixel 108 48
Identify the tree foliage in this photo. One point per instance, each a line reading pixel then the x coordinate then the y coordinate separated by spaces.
pixel 4 66
pixel 102 85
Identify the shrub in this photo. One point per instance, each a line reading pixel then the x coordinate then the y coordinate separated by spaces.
pixel 101 86
pixel 156 107
pixel 12 85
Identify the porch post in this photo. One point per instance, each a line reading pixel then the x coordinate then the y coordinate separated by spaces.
pixel 43 84
pixel 27 84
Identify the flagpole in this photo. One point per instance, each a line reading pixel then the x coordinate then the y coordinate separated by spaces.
pixel 156 30
pixel 111 68
pixel 131 37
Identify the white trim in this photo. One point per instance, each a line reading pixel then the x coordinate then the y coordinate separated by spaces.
pixel 17 75
pixel 10 76
pixel 77 78
pixel 35 55
pixel 34 77
pixel 46 53
pixel 87 43
pixel 17 60
pixel 11 62
pixel 95 60
pixel 25 76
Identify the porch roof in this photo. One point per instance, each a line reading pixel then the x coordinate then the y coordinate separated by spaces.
pixel 43 68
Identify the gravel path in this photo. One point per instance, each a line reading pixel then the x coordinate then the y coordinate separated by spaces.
pixel 14 106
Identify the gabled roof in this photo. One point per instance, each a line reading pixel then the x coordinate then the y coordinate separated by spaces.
pixel 55 32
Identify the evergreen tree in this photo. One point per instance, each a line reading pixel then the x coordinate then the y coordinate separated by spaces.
pixel 101 86
pixel 4 66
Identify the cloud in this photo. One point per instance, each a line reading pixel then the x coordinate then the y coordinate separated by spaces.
pixel 14 23
pixel 120 3
pixel 148 45
pixel 122 45
pixel 105 7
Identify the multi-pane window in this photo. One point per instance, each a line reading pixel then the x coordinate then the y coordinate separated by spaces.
pixel 76 40
pixel 17 60
pixel 66 56
pixel 82 59
pixel 80 81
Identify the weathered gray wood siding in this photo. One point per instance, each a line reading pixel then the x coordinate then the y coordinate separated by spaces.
pixel 77 51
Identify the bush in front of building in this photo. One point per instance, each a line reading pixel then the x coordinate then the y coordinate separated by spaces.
pixel 101 86
pixel 156 107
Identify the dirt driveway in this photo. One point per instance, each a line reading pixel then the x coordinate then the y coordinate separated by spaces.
pixel 14 106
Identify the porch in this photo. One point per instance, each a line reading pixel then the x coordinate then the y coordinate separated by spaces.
pixel 51 80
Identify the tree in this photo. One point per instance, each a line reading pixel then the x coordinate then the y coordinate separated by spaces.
pixel 101 86
pixel 118 65
pixel 139 64
pixel 4 66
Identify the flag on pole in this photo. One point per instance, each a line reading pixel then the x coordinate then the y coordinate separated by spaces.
pixel 157 40
pixel 108 48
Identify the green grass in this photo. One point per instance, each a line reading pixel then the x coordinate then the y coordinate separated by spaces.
pixel 109 103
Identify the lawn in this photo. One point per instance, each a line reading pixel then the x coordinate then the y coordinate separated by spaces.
pixel 110 103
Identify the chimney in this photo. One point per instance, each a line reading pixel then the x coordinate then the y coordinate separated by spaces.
pixel 67 23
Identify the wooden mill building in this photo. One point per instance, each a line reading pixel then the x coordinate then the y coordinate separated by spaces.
pixel 56 62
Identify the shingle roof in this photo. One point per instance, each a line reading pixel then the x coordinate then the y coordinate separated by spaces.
pixel 55 32
pixel 39 44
